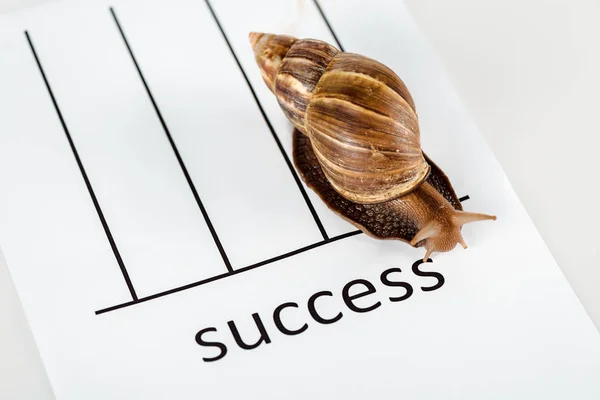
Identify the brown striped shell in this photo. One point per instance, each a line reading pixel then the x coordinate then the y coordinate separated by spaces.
pixel 357 143
pixel 358 114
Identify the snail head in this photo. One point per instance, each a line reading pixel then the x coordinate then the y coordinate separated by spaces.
pixel 269 51
pixel 443 234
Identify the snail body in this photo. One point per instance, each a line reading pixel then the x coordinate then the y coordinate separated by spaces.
pixel 357 142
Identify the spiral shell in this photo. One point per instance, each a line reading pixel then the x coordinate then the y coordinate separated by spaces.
pixel 358 114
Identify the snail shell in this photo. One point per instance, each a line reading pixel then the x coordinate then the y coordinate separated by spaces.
pixel 357 142
pixel 359 115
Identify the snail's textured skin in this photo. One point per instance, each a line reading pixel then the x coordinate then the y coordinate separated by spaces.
pixel 357 142
pixel 382 220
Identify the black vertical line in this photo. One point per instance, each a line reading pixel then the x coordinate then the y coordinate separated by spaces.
pixel 107 231
pixel 268 122
pixel 328 25
pixel 175 150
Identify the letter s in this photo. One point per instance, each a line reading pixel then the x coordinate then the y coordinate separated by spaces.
pixel 220 345
pixel 436 275
pixel 387 282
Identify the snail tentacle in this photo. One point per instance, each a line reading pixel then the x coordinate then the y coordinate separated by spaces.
pixel 443 232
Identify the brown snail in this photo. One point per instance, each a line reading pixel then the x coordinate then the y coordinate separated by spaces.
pixel 357 142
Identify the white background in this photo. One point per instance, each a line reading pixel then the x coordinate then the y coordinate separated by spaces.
pixel 527 72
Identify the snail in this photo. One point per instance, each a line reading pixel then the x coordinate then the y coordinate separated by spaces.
pixel 356 142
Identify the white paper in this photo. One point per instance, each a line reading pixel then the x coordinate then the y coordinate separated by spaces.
pixel 504 324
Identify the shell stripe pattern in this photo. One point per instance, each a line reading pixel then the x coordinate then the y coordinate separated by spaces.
pixel 302 67
pixel 359 115
pixel 365 131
